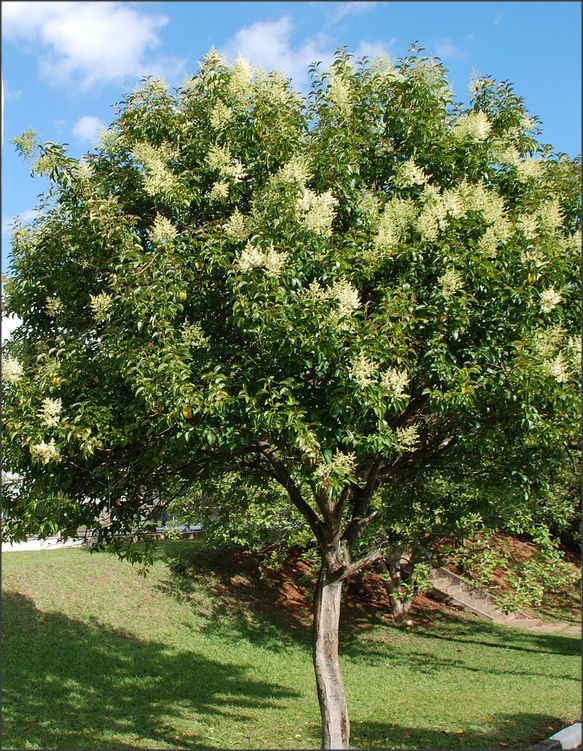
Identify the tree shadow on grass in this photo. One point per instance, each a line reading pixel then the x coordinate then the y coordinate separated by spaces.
pixel 267 611
pixel 484 634
pixel 70 684
pixel 529 728
pixel 276 609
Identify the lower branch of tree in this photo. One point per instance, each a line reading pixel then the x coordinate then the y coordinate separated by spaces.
pixel 284 478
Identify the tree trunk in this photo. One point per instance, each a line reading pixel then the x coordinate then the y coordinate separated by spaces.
pixel 393 581
pixel 335 724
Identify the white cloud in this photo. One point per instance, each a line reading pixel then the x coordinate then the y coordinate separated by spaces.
pixel 9 323
pixel 498 18
pixel 89 42
pixel 87 128
pixel 446 48
pixel 341 10
pixel 268 44
pixel 374 49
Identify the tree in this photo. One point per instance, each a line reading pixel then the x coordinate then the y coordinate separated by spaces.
pixel 520 487
pixel 337 291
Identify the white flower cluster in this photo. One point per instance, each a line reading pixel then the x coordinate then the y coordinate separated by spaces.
pixel 45 452
pixel 241 81
pixel 317 292
pixel 276 89
pixel 441 206
pixel 490 241
pixel 368 204
pixel 219 191
pixel 572 243
pixel 341 465
pixel 527 122
pixel 456 202
pixel 382 66
pixel 108 138
pixel 50 412
pixel 193 335
pixel 162 230
pixel 347 297
pixel 253 257
pixel 220 160
pixel 296 171
pixel 237 227
pixel 485 200
pixel 409 174
pixel 23 237
pixel 549 299
pixel 343 293
pixel 557 368
pixel 574 350
pixel 505 155
pixel 452 203
pixel 429 70
pixel 316 211
pixel 491 205
pixel 363 371
pixel 550 216
pixel 158 178
pixel 274 261
pixel 84 169
pixel 53 305
pixel 450 283
pixel 339 93
pixel 477 83
pixel 407 439
pixel 528 225
pixel 395 381
pixel 100 305
pixel 11 369
pixel 395 220
pixel 545 342
pixel 221 115
pixel 528 168
pixel 475 126
pixel 433 216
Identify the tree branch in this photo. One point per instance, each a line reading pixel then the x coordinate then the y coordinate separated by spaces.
pixel 373 556
pixel 284 478
pixel 360 515
pixel 340 506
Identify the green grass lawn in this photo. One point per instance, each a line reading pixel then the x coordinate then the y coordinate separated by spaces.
pixel 97 656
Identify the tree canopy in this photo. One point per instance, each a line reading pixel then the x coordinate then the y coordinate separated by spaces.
pixel 341 291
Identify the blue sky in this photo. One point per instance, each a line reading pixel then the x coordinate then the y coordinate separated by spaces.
pixel 66 63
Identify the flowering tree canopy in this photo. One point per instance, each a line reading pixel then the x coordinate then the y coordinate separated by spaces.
pixel 339 290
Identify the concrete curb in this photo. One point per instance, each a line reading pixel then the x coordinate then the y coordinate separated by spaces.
pixel 49 543
pixel 547 745
pixel 567 739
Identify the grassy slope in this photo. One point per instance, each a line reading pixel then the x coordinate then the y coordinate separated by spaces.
pixel 96 656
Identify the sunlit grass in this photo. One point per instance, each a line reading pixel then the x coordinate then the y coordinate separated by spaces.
pixel 97 656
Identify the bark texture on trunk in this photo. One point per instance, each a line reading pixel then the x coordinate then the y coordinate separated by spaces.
pixel 397 571
pixel 333 708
